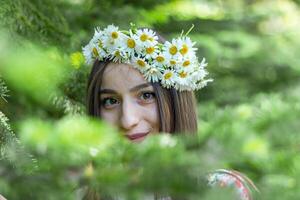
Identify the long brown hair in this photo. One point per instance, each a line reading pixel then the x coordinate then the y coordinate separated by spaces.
pixel 177 110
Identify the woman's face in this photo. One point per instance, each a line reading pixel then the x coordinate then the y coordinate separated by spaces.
pixel 128 101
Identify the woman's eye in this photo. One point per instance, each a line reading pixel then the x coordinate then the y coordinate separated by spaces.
pixel 147 96
pixel 109 102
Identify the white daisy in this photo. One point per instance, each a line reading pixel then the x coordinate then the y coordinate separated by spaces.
pixel 150 52
pixel 119 55
pixel 119 45
pixel 160 60
pixel 153 74
pixel 98 33
pixel 187 63
pixel 199 68
pixel 146 38
pixel 199 74
pixel 171 48
pixel 112 38
pixel 93 51
pixel 88 53
pixel 183 81
pixel 168 78
pixel 130 45
pixel 185 46
pixel 140 64
pixel 171 61
pixel 98 40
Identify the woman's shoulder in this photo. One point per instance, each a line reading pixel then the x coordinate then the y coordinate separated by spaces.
pixel 2 198
pixel 243 186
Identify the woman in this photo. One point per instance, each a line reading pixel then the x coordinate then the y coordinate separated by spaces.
pixel 139 108
pixel 174 111
pixel 144 85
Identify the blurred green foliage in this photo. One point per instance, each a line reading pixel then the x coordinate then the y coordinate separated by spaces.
pixel 248 117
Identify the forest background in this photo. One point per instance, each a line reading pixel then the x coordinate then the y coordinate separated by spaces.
pixel 248 117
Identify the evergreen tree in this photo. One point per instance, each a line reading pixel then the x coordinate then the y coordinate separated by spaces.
pixel 249 116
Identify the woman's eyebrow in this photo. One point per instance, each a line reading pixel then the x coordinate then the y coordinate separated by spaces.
pixel 107 91
pixel 135 88
pixel 138 87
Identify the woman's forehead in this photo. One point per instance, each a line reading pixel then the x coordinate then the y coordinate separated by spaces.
pixel 121 76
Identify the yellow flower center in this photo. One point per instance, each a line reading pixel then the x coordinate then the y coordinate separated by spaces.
pixel 141 63
pixel 184 49
pixel 117 53
pixel 173 50
pixel 186 63
pixel 172 62
pixel 95 52
pixel 150 50
pixel 114 35
pixel 182 74
pixel 160 59
pixel 168 75
pixel 131 43
pixel 143 37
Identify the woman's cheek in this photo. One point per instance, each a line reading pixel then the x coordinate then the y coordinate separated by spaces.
pixel 152 116
pixel 110 116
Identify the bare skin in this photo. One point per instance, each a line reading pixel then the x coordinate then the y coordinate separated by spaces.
pixel 128 101
pixel 2 198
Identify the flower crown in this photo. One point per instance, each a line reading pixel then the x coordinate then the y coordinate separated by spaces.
pixel 173 64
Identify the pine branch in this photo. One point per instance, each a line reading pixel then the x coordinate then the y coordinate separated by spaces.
pixel 68 105
pixel 3 90
pixel 11 150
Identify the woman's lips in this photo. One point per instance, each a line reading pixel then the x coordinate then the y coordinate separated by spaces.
pixel 136 136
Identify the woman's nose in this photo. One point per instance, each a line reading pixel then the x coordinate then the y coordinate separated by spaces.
pixel 130 116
